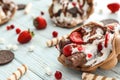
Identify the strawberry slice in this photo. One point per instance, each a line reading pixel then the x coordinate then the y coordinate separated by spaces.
pixel 114 7
pixel 111 27
pixel 67 50
pixel 76 37
pixel 99 47
pixel 80 48
pixel 106 40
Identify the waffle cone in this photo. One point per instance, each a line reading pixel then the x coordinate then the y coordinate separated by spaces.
pixel 3 21
pixel 107 64
pixel 117 45
pixel 63 24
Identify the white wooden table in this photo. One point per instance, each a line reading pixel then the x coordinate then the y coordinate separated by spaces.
pixel 42 55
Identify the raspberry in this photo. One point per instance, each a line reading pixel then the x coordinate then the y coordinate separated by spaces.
pixel 18 30
pixel 58 75
pixel 89 55
pixel 8 27
pixel 67 50
pixel 74 4
pixel 80 48
pixel 54 33
pixel 80 6
pixel 12 26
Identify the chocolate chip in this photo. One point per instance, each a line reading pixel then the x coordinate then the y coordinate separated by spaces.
pixel 21 6
pixel 73 11
pixel 6 56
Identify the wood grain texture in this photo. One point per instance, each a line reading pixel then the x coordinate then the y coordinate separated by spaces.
pixel 42 55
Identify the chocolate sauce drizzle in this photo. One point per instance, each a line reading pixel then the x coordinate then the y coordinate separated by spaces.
pixel 72 11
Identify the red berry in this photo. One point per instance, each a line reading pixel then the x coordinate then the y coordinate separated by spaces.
pixel 40 23
pixel 80 6
pixel 18 30
pixel 89 55
pixel 76 37
pixel 106 40
pixel 74 4
pixel 114 7
pixel 80 48
pixel 8 27
pixel 111 27
pixel 54 33
pixel 42 13
pixel 25 37
pixel 12 26
pixel 67 50
pixel 99 47
pixel 58 75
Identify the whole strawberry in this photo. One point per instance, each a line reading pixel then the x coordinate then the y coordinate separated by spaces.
pixel 114 7
pixel 39 23
pixel 25 36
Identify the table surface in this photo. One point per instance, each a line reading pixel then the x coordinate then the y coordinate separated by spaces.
pixel 42 56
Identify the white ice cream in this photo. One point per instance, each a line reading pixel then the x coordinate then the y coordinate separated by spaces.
pixel 68 18
pixel 92 48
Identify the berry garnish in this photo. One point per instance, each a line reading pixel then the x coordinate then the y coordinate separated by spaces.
pixel 80 6
pixel 40 23
pixel 25 36
pixel 58 75
pixel 74 4
pixel 76 37
pixel 113 7
pixel 106 40
pixel 18 30
pixel 12 26
pixel 67 50
pixel 99 47
pixel 54 33
pixel 80 48
pixel 111 27
pixel 8 27
pixel 89 55
pixel 42 13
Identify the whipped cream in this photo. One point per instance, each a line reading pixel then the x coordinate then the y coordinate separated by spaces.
pixel 95 54
pixel 106 52
pixel 99 34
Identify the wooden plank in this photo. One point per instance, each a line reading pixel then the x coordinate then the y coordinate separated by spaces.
pixel 7 70
pixel 42 56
